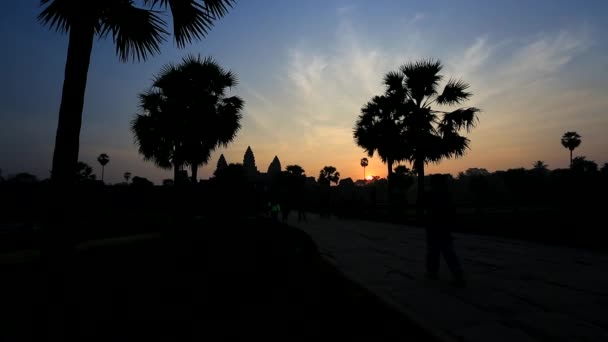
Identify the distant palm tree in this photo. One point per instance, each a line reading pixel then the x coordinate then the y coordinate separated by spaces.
pixel 364 163
pixel 571 140
pixel 137 33
pixel 187 115
pixel 539 166
pixel 430 135
pixel 329 175
pixel 103 159
pixel 127 176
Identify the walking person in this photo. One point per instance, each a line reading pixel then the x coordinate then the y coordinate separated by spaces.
pixel 440 209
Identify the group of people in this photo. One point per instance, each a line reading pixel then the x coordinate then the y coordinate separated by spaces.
pixel 275 209
pixel 439 212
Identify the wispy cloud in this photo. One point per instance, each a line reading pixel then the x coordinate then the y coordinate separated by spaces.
pixel 318 94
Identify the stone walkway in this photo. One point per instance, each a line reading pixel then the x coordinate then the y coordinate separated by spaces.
pixel 516 291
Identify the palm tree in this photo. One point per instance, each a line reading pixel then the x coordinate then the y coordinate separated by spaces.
pixel 127 176
pixel 364 163
pixel 156 135
pixel 379 129
pixel 430 135
pixel 213 116
pixel 571 140
pixel 539 167
pixel 103 159
pixel 187 115
pixel 329 175
pixel 137 33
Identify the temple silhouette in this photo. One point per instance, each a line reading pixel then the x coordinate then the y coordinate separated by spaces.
pixel 251 169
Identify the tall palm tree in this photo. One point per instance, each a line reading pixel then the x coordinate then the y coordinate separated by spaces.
pixel 329 175
pixel 213 116
pixel 137 32
pixel 103 159
pixel 187 114
pixel 364 163
pixel 379 129
pixel 571 140
pixel 156 133
pixel 430 135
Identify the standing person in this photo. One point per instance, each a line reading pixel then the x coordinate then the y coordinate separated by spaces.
pixel 438 235
pixel 275 209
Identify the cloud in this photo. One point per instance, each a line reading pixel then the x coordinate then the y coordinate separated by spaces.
pixel 307 114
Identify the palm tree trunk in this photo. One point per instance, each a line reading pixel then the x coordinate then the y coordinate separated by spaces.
pixel 389 179
pixel 175 173
pixel 67 138
pixel 420 192
pixel 194 172
pixel 570 159
pixel 103 167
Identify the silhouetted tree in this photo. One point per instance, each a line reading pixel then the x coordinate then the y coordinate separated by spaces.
pixel 403 178
pixel 84 172
pixel 168 182
pixel 213 117
pixel 22 178
pixel 221 164
pixel 430 135
pixel 379 129
pixel 540 166
pixel 141 182
pixel 127 176
pixel 328 175
pixel 157 134
pixel 137 33
pixel 604 169
pixel 364 163
pixel 187 115
pixel 103 159
pixel 582 165
pixel 295 170
pixel 571 140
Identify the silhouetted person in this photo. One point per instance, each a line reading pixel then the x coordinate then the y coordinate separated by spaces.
pixel 275 209
pixel 301 214
pixel 438 236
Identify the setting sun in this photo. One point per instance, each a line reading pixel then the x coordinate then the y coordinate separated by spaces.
pixel 369 178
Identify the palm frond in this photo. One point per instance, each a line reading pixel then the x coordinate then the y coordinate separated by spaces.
pixel 394 81
pixel 192 19
pixel 228 125
pixel 454 145
pixel 422 78
pixel 137 33
pixel 58 14
pixel 454 93
pixel 460 118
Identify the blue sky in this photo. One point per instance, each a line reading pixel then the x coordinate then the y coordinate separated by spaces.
pixel 536 68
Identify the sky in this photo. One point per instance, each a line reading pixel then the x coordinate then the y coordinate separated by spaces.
pixel 536 68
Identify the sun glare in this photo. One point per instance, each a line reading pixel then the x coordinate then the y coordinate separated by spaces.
pixel 369 178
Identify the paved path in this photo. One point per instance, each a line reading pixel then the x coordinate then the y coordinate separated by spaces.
pixel 517 291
